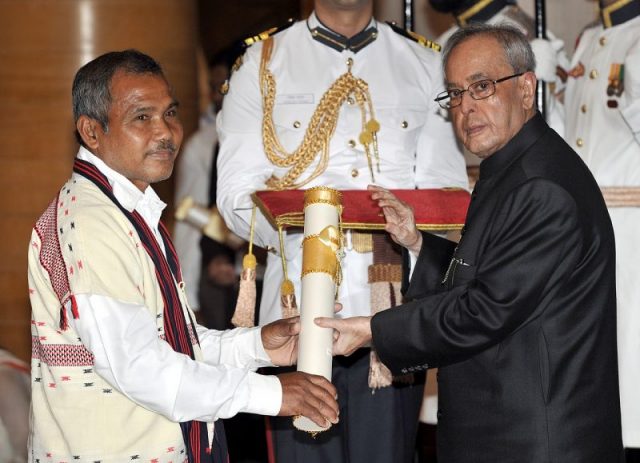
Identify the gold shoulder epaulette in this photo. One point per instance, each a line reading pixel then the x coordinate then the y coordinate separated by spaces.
pixel 246 43
pixel 266 34
pixel 415 37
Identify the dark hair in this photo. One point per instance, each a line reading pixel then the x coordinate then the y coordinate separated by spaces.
pixel 517 49
pixel 91 94
pixel 224 57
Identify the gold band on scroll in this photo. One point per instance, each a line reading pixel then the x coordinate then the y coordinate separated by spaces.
pixel 322 194
pixel 319 253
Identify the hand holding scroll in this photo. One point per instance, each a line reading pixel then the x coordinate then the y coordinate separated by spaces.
pixel 401 224
pixel 349 333
pixel 280 340
pixel 312 396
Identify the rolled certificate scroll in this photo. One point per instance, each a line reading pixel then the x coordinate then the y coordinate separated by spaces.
pixel 321 250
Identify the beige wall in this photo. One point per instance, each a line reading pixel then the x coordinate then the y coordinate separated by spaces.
pixel 42 44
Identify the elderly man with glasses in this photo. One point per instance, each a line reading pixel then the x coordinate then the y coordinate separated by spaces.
pixel 520 315
pixel 478 91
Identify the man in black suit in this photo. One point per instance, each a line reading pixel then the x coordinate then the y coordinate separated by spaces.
pixel 520 316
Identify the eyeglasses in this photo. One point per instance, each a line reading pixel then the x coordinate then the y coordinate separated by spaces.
pixel 478 91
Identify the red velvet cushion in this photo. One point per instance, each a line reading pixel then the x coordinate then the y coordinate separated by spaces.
pixel 434 209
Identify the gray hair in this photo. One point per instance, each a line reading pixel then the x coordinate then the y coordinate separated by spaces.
pixel 517 49
pixel 91 94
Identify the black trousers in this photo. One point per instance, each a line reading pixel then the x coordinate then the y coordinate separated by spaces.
pixel 375 426
pixel 632 455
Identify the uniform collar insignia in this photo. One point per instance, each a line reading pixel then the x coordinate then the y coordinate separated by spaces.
pixel 419 39
pixel 338 41
pixel 480 11
pixel 266 34
pixel 619 12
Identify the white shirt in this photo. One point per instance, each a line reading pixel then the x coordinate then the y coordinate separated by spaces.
pixel 416 144
pixel 130 356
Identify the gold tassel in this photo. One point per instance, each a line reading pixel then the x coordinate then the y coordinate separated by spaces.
pixel 246 305
pixel 379 374
pixel 287 290
pixel 361 241
pixel 385 276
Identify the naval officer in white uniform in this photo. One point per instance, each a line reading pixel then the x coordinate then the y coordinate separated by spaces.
pixel 603 125
pixel 415 146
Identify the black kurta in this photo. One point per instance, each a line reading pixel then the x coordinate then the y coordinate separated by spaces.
pixel 524 327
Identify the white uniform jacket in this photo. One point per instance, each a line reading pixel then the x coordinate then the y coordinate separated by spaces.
pixel 603 126
pixel 416 145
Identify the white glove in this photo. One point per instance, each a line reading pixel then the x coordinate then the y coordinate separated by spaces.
pixel 546 59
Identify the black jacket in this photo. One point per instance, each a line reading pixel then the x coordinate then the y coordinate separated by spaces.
pixel 524 326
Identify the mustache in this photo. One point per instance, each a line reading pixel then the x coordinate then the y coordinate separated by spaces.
pixel 165 145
